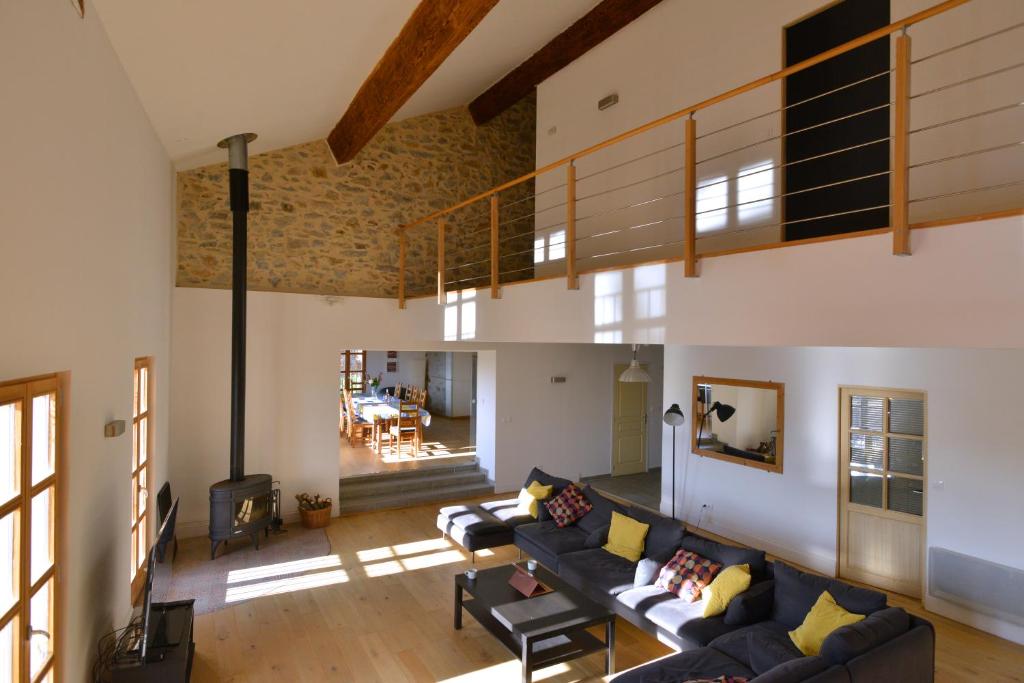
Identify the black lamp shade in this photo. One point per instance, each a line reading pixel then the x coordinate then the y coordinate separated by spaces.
pixel 722 410
pixel 674 416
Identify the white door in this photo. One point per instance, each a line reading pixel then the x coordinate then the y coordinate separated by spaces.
pixel 629 426
pixel 882 488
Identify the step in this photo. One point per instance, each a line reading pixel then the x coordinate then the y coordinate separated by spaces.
pixel 410 498
pixel 425 480
pixel 470 465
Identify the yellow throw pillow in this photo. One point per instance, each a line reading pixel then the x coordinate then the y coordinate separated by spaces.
pixel 826 616
pixel 626 537
pixel 529 497
pixel 729 583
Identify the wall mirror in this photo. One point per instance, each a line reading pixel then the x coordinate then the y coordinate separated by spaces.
pixel 738 421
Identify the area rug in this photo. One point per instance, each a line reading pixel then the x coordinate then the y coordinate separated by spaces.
pixel 239 572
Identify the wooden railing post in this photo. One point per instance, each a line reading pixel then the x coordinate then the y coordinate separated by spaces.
pixel 573 280
pixel 401 268
pixel 440 261
pixel 899 209
pixel 690 200
pixel 495 289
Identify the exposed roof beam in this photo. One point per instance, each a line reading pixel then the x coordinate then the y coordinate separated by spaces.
pixel 434 30
pixel 590 30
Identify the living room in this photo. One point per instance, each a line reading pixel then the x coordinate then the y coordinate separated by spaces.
pixel 540 195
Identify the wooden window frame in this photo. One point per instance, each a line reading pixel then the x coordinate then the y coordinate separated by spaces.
pixel 138 560
pixel 780 420
pixel 347 370
pixel 24 391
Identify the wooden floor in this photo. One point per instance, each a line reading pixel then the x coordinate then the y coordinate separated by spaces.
pixel 445 441
pixel 384 613
pixel 643 488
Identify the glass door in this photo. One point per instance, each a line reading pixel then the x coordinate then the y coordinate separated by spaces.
pixel 29 449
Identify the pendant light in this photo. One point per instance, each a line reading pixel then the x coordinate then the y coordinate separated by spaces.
pixel 634 373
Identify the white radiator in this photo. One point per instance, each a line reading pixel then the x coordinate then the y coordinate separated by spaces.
pixel 979 585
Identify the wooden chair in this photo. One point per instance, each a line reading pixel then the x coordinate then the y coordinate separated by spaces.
pixel 406 427
pixel 398 391
pixel 357 426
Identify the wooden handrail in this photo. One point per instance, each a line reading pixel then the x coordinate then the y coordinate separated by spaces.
pixel 440 261
pixel 899 209
pixel 898 25
pixel 402 239
pixel 572 280
pixel 495 252
pixel 690 200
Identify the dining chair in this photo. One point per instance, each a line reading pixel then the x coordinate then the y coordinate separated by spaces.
pixel 405 427
pixel 357 426
pixel 398 391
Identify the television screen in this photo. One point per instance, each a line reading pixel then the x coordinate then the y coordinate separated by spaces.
pixel 163 536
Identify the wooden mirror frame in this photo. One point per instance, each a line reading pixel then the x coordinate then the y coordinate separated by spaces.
pixel 780 393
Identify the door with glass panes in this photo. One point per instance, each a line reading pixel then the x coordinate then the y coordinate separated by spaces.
pixel 883 452
pixel 29 448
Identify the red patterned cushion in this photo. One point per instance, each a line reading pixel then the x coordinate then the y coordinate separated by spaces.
pixel 686 575
pixel 568 506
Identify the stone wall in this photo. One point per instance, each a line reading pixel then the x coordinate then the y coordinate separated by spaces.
pixel 316 227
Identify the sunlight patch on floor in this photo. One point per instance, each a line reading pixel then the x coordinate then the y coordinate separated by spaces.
pixel 286 585
pixel 283 568
pixel 510 670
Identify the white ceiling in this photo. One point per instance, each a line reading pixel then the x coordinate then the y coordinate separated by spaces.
pixel 206 69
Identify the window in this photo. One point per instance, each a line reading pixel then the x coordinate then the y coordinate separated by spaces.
pixel 142 452
pixel 353 370
pixel 30 433
pixel 884 450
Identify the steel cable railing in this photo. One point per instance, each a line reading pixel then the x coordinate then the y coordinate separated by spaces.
pixel 523 243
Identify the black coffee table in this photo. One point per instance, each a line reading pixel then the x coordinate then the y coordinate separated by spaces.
pixel 541 631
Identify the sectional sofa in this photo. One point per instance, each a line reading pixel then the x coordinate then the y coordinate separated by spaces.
pixel 749 641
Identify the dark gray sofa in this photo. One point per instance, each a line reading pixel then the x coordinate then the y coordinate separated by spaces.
pixel 749 640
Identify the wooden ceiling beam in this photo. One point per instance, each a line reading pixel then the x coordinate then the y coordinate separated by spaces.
pixel 434 30
pixel 589 31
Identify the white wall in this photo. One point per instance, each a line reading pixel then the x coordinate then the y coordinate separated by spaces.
pixel 86 264
pixel 974 464
pixel 412 367
pixel 291 408
pixel 680 53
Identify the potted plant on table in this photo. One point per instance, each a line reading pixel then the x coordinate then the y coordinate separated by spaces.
pixel 314 511
pixel 374 384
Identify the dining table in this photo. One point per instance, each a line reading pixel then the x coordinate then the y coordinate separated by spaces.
pixel 370 407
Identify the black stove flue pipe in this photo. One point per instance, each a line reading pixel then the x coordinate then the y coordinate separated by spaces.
pixel 238 164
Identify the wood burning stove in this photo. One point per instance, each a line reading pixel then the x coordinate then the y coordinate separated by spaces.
pixel 243 504
pixel 240 508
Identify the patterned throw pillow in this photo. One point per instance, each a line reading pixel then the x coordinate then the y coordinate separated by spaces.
pixel 568 506
pixel 686 575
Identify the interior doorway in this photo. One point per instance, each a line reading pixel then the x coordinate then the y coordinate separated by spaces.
pixel 836 123
pixel 629 425
pixel 882 496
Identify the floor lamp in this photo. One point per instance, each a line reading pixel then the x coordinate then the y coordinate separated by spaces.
pixel 674 417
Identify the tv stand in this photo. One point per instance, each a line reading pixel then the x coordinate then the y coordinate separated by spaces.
pixel 170 650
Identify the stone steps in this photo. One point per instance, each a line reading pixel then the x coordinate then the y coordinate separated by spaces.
pixel 411 487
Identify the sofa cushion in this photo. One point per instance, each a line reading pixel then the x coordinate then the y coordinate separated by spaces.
pixel 507 511
pixel 766 635
pixel 537 474
pixel 597 571
pixel 663 538
pixel 726 555
pixel 601 510
pixel 598 537
pixel 472 518
pixel 825 617
pixel 678 617
pixel 647 570
pixel 626 537
pixel 546 541
pixel 696 664
pixel 853 640
pixel 686 574
pixel 797 670
pixel 752 605
pixel 729 583
pixel 766 653
pixel 568 506
pixel 796 592
pixel 531 496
